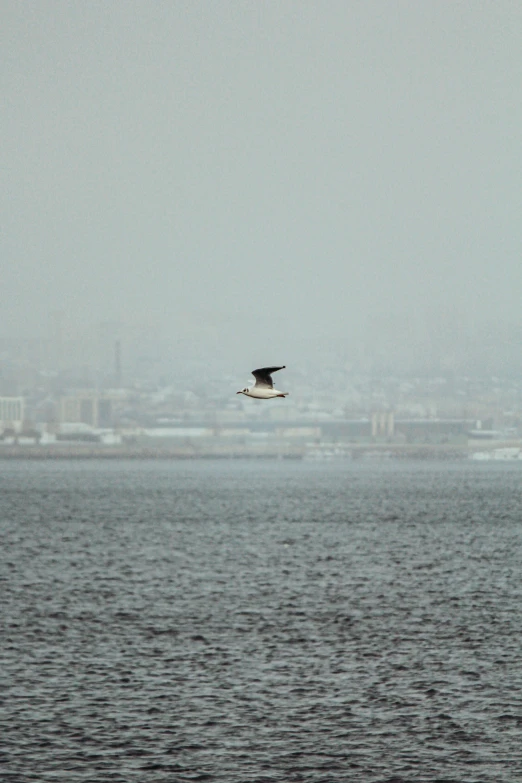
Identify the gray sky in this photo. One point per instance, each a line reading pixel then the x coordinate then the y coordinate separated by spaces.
pixel 259 177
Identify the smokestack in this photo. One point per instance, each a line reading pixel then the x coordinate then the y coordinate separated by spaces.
pixel 56 339
pixel 117 364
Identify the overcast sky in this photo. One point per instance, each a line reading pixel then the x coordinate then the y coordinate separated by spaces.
pixel 256 177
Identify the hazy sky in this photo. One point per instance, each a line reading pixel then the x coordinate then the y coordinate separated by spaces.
pixel 257 177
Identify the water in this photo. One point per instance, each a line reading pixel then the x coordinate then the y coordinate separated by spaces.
pixel 252 621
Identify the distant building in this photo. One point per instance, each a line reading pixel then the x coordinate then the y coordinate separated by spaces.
pixel 87 408
pixel 383 424
pixel 11 413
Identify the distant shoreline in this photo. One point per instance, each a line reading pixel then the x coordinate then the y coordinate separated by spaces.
pixel 352 453
pixel 318 452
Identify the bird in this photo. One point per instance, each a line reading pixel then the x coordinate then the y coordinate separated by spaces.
pixel 263 388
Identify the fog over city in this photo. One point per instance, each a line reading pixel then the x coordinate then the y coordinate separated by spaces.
pixel 256 183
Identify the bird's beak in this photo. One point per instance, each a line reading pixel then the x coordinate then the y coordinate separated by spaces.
pixel 239 392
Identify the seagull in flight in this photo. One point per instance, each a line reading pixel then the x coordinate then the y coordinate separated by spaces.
pixel 263 388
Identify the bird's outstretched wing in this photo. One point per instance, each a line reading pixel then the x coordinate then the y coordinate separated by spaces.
pixel 263 376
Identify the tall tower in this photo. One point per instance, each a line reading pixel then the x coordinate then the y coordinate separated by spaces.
pixel 108 335
pixel 117 364
pixel 56 330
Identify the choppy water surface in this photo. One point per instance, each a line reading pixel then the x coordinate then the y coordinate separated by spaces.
pixel 261 622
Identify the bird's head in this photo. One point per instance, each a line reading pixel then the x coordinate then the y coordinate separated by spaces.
pixel 242 391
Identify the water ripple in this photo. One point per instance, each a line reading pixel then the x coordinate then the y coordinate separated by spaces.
pixel 274 622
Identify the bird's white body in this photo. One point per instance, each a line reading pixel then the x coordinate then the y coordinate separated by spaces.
pixel 263 388
pixel 262 393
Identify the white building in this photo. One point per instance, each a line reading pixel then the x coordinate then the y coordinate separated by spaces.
pixel 11 413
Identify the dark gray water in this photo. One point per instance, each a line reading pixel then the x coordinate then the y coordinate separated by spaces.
pixel 251 622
